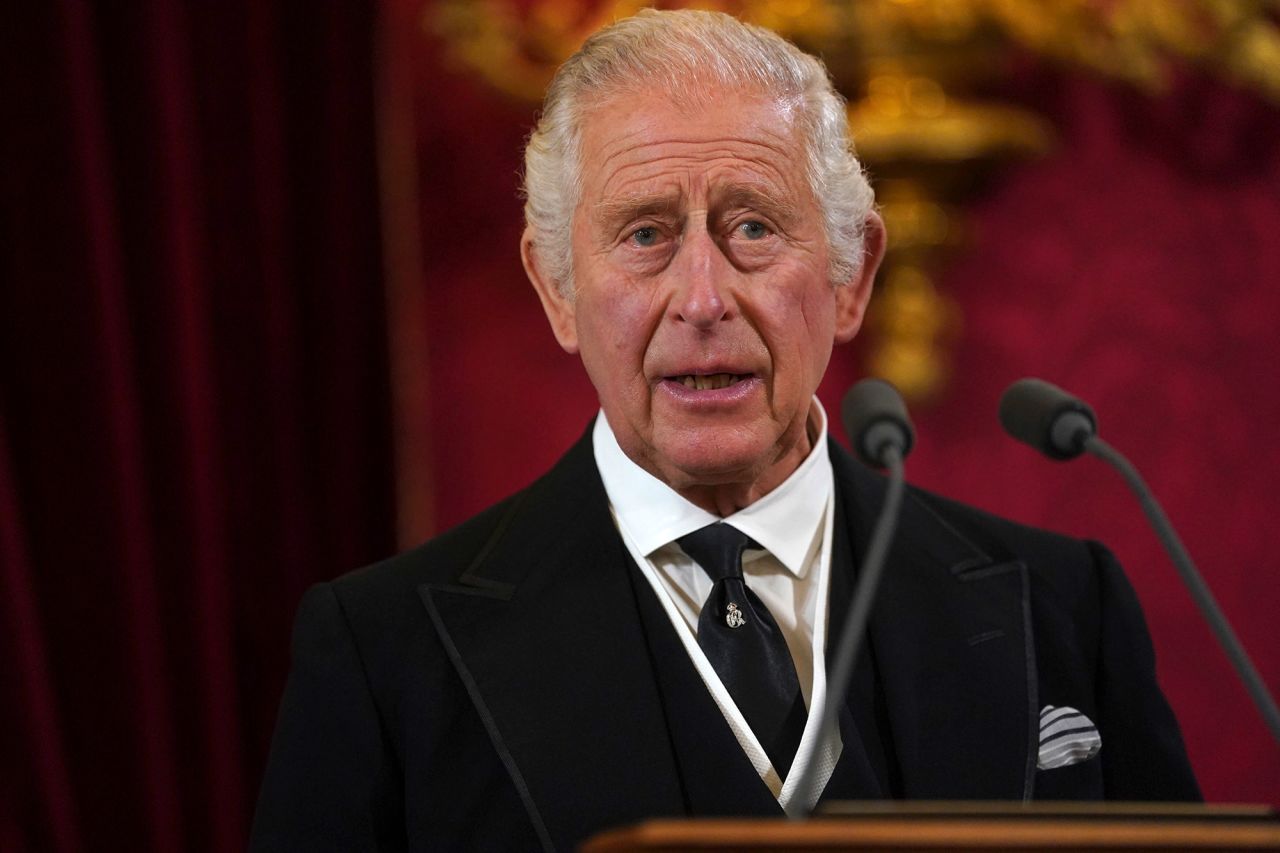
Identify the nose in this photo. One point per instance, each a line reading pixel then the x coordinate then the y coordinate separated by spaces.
pixel 702 297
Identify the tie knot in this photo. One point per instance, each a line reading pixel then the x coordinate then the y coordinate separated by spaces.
pixel 718 549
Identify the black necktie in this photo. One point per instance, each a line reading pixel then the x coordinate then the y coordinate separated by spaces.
pixel 745 646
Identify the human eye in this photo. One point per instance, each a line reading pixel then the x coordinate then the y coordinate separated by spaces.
pixel 645 236
pixel 753 229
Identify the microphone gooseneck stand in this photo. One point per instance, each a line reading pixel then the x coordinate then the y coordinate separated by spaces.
pixel 1062 426
pixel 855 629
pixel 879 429
pixel 1192 579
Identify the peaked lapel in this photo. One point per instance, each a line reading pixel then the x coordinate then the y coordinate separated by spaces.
pixel 544 631
pixel 861 771
pixel 954 650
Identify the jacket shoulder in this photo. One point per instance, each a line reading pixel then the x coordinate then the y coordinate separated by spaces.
pixel 439 560
pixel 1002 539
pixel 443 560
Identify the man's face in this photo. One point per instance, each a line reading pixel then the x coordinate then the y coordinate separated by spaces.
pixel 703 310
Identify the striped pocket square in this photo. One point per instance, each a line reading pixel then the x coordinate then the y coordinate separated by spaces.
pixel 1066 737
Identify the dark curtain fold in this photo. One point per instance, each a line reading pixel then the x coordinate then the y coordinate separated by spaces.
pixel 194 405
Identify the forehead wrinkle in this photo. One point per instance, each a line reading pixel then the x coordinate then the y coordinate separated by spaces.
pixel 724 147
pixel 778 133
pixel 690 173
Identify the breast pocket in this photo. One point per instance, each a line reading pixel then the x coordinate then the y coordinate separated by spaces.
pixel 1081 781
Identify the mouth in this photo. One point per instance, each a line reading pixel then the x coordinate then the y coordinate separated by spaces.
pixel 708 381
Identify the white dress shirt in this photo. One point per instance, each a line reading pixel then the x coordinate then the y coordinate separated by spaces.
pixel 791 576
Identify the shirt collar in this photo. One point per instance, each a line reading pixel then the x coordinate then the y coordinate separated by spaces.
pixel 784 521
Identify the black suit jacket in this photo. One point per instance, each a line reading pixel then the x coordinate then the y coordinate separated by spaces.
pixel 496 687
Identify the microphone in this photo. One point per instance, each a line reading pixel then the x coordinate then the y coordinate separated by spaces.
pixel 1047 418
pixel 1061 426
pixel 875 419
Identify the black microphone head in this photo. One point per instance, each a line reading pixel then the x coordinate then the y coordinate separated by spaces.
pixel 875 417
pixel 1049 419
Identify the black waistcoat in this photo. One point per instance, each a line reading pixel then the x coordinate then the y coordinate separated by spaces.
pixel 716 777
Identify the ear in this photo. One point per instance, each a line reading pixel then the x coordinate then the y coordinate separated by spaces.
pixel 852 296
pixel 558 307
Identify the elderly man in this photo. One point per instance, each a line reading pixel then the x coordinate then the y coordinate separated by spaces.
pixel 643 631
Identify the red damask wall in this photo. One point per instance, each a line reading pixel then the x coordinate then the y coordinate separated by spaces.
pixel 1137 265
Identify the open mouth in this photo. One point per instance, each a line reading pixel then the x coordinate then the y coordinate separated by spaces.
pixel 710 381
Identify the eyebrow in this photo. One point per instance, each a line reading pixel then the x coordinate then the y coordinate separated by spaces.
pixel 612 214
pixel 755 198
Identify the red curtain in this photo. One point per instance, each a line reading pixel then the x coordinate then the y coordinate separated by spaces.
pixel 1136 265
pixel 194 403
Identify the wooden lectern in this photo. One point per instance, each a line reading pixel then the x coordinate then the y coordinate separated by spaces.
pixel 967 828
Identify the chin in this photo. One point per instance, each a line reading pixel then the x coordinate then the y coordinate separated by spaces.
pixel 695 464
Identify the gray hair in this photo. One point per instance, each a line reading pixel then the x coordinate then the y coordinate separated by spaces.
pixel 682 51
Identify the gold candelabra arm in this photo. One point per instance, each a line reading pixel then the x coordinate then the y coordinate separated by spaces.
pixel 516 48
pixel 1140 41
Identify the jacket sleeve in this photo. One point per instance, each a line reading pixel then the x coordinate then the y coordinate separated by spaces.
pixel 331 781
pixel 1143 757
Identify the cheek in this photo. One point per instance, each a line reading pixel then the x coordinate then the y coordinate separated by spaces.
pixel 631 323
pixel 801 319
pixel 798 328
pixel 820 317
pixel 616 325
